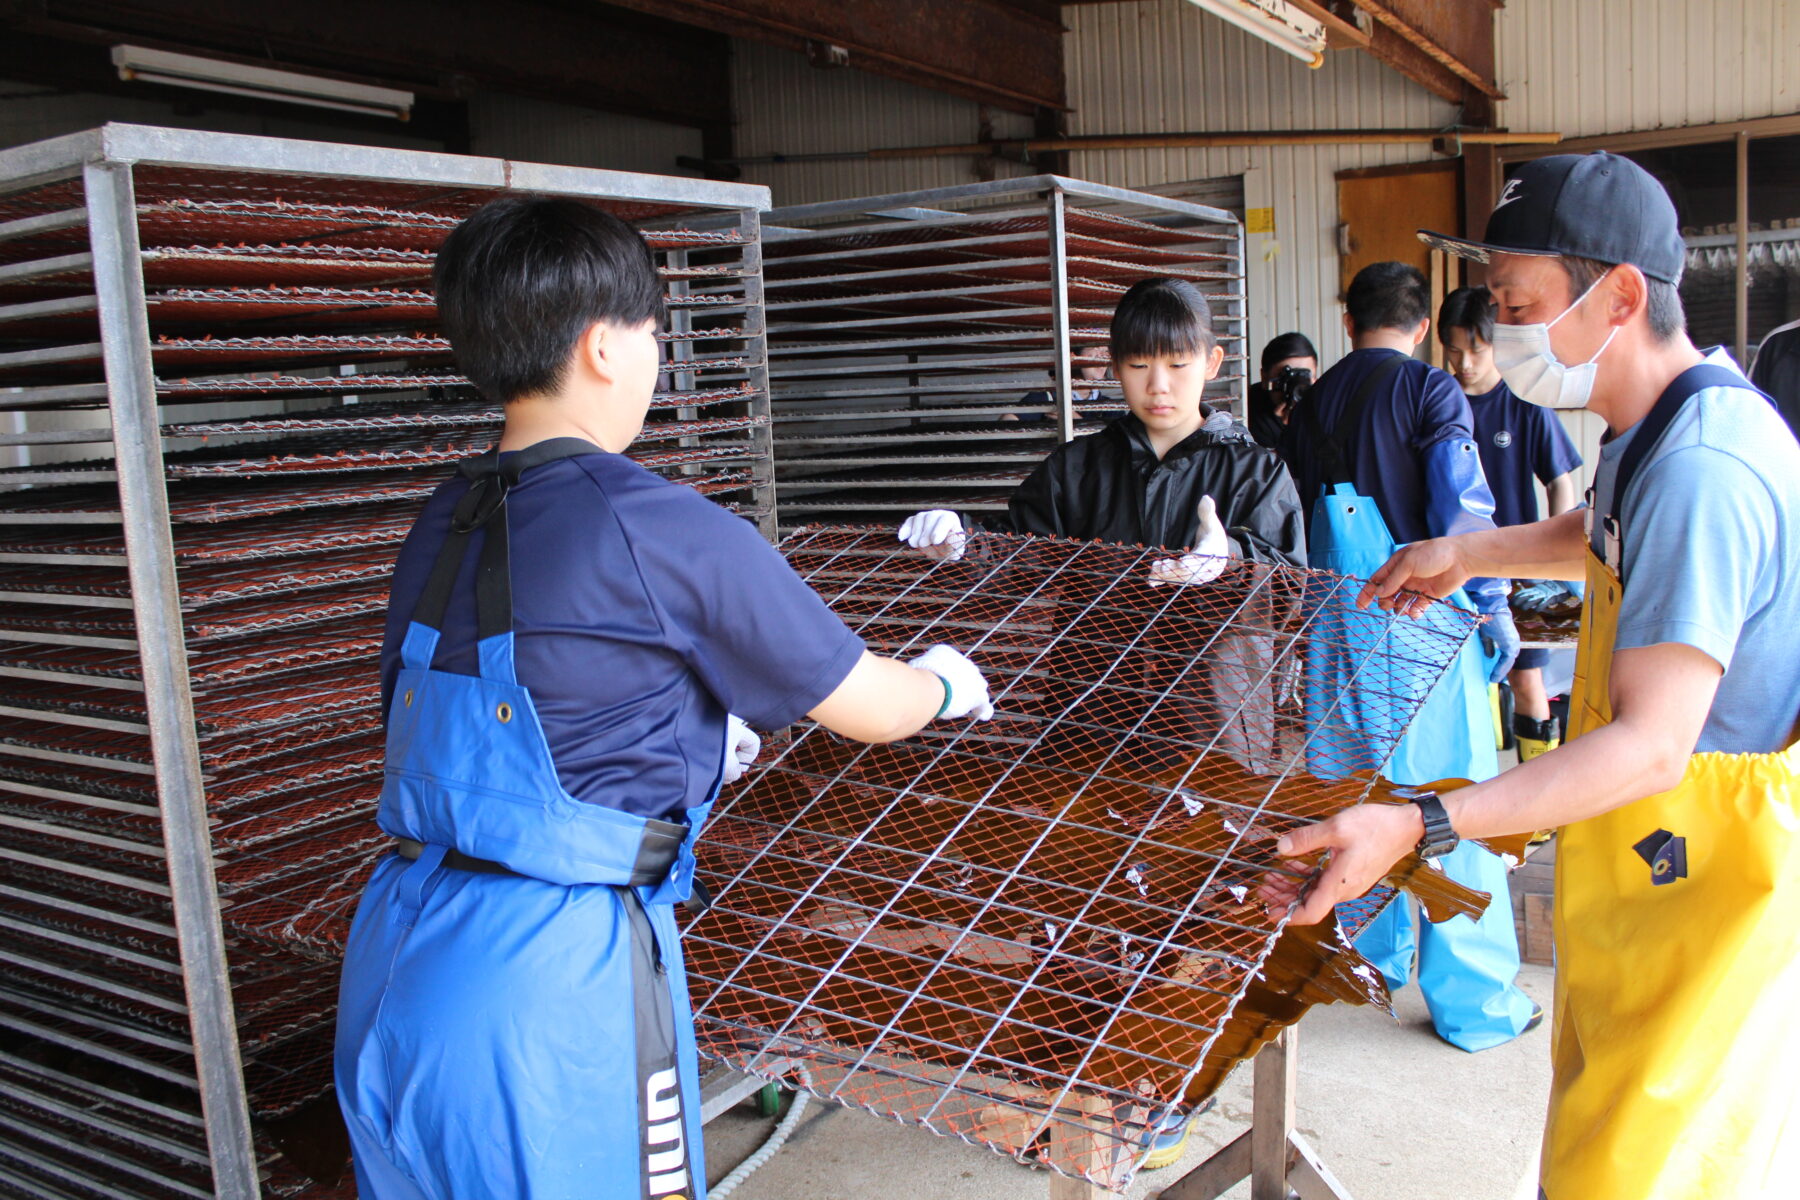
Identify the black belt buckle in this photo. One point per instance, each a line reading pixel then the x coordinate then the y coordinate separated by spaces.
pixel 659 847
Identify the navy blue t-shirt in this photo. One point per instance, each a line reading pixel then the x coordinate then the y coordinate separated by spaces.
pixel 1519 442
pixel 642 614
pixel 1413 409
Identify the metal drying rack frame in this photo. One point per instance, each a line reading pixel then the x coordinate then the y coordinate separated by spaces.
pixel 1055 200
pixel 103 161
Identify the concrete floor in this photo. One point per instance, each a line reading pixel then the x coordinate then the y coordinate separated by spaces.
pixel 1395 1113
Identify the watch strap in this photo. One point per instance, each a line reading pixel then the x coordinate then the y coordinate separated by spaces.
pixel 1440 836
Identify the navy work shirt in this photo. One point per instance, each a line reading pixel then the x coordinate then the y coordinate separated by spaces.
pixel 1519 442
pixel 642 614
pixel 1413 409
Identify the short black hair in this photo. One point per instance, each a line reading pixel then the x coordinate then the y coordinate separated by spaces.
pixel 1662 300
pixel 1469 309
pixel 1159 316
pixel 1287 345
pixel 1387 295
pixel 523 276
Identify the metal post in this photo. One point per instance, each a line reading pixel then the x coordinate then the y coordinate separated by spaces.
pixel 1742 297
pixel 1242 400
pixel 1059 303
pixel 144 507
pixel 756 344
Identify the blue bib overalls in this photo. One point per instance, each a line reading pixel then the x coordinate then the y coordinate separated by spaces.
pixel 1358 678
pixel 513 1016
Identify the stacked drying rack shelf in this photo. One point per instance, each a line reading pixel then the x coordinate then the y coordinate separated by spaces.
pixel 922 343
pixel 226 397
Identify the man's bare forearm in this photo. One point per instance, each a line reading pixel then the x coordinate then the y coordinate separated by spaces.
pixel 1591 775
pixel 1660 696
pixel 1550 549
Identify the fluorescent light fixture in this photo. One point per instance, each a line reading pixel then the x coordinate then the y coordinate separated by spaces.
pixel 1276 22
pixel 264 83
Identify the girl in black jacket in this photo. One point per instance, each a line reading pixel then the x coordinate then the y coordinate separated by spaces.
pixel 1171 472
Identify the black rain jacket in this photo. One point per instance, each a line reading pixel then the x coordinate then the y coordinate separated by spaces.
pixel 1110 487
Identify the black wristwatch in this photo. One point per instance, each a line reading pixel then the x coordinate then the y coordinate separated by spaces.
pixel 1440 838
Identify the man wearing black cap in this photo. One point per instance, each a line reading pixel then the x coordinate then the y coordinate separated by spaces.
pixel 1677 1054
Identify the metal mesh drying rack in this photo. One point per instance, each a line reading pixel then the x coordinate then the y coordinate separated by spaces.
pixel 225 398
pixel 921 343
pixel 1041 933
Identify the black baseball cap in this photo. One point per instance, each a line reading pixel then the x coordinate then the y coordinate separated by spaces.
pixel 1597 206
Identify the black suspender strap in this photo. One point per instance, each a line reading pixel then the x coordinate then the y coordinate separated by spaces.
pixel 490 479
pixel 1334 447
pixel 1650 430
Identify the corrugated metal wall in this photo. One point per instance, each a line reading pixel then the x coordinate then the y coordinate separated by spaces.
pixel 786 106
pixel 1589 67
pixel 1620 66
pixel 544 131
pixel 1166 66
pixel 1579 66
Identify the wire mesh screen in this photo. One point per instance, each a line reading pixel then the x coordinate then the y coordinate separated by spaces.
pixel 1041 932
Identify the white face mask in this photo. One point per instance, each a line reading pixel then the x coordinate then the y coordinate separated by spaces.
pixel 1531 369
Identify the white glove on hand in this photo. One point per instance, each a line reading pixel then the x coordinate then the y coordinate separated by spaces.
pixel 1206 561
pixel 968 688
pixel 936 531
pixel 742 745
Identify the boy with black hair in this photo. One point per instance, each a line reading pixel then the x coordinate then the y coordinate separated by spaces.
pixel 1519 443
pixel 567 634
pixel 1383 448
pixel 1171 472
pixel 1086 387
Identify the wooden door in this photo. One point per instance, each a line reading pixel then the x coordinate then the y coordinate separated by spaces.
pixel 1381 210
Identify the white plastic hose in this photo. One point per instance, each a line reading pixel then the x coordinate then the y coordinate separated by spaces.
pixel 764 1152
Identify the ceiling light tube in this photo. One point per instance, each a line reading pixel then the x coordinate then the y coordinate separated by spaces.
pixel 1276 22
pixel 263 83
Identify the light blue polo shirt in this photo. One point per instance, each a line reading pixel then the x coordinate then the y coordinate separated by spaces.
pixel 1712 556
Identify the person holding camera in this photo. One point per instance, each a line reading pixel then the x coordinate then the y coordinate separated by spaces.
pixel 1289 365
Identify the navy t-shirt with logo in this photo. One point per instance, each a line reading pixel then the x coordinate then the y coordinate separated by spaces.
pixel 1519 443
pixel 1409 412
pixel 642 614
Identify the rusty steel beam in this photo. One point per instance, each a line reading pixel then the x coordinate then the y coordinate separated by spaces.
pixel 985 50
pixel 1428 28
pixel 1017 148
pixel 1343 30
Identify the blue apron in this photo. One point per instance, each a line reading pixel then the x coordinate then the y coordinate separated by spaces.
pixel 1466 968
pixel 513 1015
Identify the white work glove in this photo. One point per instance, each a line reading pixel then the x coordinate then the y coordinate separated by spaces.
pixel 1206 561
pixel 936 531
pixel 741 747
pixel 968 688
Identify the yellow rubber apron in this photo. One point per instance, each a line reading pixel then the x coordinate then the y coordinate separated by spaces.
pixel 1677 1026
